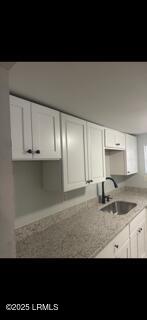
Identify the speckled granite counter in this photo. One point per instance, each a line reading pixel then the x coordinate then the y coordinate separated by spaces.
pixel 78 233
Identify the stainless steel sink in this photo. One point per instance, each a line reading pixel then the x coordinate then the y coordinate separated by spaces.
pixel 119 207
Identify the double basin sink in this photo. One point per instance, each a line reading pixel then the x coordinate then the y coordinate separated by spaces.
pixel 119 207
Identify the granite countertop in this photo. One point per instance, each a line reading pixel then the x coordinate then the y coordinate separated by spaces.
pixel 81 235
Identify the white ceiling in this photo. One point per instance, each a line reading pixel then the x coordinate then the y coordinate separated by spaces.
pixel 113 94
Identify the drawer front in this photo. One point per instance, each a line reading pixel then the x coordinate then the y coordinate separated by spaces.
pixel 137 221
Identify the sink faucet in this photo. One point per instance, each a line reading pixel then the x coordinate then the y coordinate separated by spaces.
pixel 103 193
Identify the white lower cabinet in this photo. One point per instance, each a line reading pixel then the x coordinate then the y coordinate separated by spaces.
pixel 131 242
pixel 107 252
pixel 124 251
pixel 119 247
pixel 138 236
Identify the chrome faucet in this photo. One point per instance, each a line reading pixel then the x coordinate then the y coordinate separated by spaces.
pixel 103 193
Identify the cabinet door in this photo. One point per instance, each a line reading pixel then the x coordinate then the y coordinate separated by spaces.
pixel 131 154
pixel 107 252
pixel 138 236
pixel 124 251
pixel 142 241
pixel 114 139
pixel 109 138
pixel 96 158
pixel 74 144
pixel 46 133
pixel 138 242
pixel 134 244
pixel 121 244
pixel 21 135
pixel 120 140
pixel 119 247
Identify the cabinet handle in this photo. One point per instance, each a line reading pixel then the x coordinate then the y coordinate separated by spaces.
pixel 29 151
pixel 108 198
pixel 88 181
pixel 128 171
pixel 117 144
pixel 37 151
pixel 116 246
pixel 140 229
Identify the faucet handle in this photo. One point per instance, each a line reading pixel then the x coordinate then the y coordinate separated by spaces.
pixel 108 197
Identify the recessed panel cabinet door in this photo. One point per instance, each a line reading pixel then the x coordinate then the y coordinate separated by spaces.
pixel 21 135
pixel 138 242
pixel 124 251
pixel 131 154
pixel 96 158
pixel 74 145
pixel 114 139
pixel 46 133
pixel 120 140
pixel 138 236
pixel 134 244
pixel 142 241
pixel 107 252
pixel 110 138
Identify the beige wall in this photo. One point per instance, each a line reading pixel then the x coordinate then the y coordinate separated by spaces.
pixel 33 201
pixel 7 240
pixel 109 186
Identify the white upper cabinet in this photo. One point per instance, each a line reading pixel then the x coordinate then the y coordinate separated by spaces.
pixel 46 132
pixel 131 154
pixel 83 152
pixel 96 156
pixel 74 145
pixel 21 135
pixel 125 162
pixel 114 139
pixel 35 131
